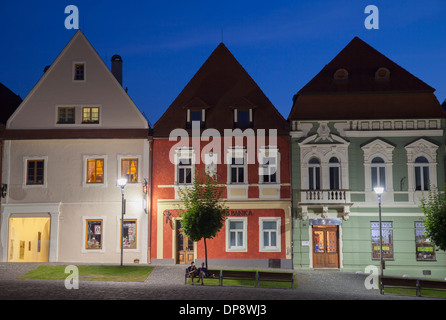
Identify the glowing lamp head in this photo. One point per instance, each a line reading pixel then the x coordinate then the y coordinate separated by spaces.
pixel 122 182
pixel 379 190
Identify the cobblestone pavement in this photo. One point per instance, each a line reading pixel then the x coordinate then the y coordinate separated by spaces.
pixel 167 283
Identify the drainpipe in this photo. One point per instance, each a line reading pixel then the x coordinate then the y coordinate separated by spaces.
pixel 149 201
pixel 292 200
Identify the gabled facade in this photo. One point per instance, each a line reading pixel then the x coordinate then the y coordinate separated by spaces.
pixel 364 122
pixel 65 146
pixel 223 124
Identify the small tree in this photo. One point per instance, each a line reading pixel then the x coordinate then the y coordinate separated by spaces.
pixel 205 211
pixel 434 208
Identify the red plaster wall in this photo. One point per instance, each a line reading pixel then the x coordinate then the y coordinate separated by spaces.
pixel 163 173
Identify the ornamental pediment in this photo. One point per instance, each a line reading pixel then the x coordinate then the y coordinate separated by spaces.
pixel 378 147
pixel 421 147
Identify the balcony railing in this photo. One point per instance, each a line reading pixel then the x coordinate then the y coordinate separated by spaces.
pixel 325 196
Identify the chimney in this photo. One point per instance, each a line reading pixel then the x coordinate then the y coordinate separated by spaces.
pixel 116 67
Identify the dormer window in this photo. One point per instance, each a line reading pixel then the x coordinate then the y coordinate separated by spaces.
pixel 78 71
pixel 243 118
pixel 341 74
pixel 196 115
pixel 382 74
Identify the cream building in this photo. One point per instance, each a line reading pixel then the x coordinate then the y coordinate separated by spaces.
pixel 64 148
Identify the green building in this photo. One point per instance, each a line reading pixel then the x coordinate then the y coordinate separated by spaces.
pixel 364 122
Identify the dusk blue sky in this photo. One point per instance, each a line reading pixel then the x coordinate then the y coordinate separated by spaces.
pixel 281 44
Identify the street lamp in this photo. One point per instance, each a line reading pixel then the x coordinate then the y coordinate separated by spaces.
pixel 122 183
pixel 379 191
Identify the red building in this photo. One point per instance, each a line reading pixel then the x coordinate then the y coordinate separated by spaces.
pixel 222 123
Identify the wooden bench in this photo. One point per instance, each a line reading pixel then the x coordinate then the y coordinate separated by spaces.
pixel 432 285
pixel 416 284
pixel 237 275
pixel 209 274
pixel 275 276
pixel 404 283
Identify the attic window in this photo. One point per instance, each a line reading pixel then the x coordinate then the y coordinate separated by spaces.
pixel 243 118
pixel 382 74
pixel 197 115
pixel 341 74
pixel 79 71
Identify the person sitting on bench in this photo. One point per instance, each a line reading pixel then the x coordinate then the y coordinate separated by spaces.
pixel 192 271
pixel 202 272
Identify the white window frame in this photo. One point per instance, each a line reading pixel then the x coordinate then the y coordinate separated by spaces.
pixel 120 158
pixel 237 152
pixel 202 115
pixel 269 152
pixel 244 247
pixel 25 172
pixel 381 149
pixel 184 153
pixel 278 246
pixel 84 174
pixel 421 148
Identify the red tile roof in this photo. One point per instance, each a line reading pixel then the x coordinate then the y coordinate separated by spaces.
pixel 361 95
pixel 219 86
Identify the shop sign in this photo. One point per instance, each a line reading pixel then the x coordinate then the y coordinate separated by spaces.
pixel 240 213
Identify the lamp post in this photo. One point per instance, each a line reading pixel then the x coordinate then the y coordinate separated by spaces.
pixel 122 183
pixel 379 191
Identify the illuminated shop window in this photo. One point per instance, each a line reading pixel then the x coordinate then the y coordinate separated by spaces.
pixel 387 240
pixel 94 234
pixel 425 249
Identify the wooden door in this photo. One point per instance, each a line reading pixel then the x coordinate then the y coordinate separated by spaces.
pixel 325 247
pixel 185 247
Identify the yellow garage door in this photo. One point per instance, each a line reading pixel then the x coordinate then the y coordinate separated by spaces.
pixel 29 239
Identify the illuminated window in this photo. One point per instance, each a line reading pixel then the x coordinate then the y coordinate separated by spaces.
pixel 95 171
pixel 387 240
pixel 424 247
pixel 129 234
pixel 129 169
pixel 90 114
pixel 94 232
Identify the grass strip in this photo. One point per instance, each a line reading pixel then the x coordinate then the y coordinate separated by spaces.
pixel 91 273
pixel 412 292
